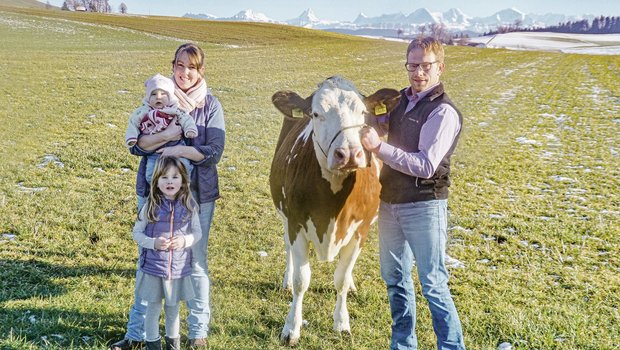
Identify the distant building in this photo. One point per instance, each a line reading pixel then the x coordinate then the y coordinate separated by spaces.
pixel 80 8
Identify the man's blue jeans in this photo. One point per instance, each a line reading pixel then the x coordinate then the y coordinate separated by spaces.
pixel 417 230
pixel 199 310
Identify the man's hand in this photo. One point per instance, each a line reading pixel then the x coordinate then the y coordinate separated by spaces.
pixel 370 139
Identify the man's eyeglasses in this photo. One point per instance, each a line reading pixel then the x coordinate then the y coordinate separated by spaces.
pixel 426 66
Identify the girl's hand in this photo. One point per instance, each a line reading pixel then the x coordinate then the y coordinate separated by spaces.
pixel 177 242
pixel 162 243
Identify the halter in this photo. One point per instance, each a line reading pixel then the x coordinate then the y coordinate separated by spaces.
pixel 334 139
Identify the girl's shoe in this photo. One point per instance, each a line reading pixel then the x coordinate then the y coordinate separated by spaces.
pixel 153 345
pixel 127 344
pixel 173 343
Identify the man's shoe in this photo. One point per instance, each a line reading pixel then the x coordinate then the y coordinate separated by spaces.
pixel 198 343
pixel 126 344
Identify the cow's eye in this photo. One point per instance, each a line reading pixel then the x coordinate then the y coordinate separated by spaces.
pixel 315 114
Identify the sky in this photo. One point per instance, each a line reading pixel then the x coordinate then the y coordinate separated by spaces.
pixel 347 10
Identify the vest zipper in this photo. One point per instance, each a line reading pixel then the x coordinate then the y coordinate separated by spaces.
pixel 171 251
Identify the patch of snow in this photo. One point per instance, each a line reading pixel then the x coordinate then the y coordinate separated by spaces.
pixel 23 188
pixel 525 141
pixel 50 158
pixel 504 346
pixel 453 263
pixel 593 44
pixel 560 178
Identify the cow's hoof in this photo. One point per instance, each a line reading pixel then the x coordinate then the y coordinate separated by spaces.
pixel 287 338
pixel 287 285
pixel 346 333
pixel 343 328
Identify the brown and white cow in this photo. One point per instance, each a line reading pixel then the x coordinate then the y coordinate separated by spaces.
pixel 325 187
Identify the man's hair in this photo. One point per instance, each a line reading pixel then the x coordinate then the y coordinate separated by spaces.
pixel 428 44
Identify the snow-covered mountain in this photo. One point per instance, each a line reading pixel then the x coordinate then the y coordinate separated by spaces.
pixel 454 20
pixel 455 16
pixel 201 16
pixel 242 16
pixel 309 20
pixel 249 16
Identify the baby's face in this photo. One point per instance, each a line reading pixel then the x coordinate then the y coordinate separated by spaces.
pixel 159 99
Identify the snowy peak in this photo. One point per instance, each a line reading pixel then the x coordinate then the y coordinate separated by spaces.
pixel 422 16
pixel 306 19
pixel 455 16
pixel 507 16
pixel 201 16
pixel 249 16
pixel 309 15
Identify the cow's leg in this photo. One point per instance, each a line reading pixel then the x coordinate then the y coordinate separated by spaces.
pixel 301 279
pixel 287 281
pixel 343 280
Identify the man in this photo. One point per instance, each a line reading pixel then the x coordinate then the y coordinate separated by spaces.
pixel 423 132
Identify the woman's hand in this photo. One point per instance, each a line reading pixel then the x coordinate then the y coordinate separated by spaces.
pixel 173 132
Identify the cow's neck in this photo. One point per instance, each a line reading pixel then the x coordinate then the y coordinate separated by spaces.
pixel 336 180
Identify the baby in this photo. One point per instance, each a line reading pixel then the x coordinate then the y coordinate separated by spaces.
pixel 158 110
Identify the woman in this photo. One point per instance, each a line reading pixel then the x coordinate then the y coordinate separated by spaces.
pixel 204 152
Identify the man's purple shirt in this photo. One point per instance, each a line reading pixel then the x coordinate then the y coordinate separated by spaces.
pixel 436 138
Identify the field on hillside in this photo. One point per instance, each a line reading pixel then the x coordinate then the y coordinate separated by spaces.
pixel 534 208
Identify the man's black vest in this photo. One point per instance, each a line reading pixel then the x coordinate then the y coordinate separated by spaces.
pixel 404 133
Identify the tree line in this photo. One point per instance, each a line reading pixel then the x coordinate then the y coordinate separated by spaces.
pixel 599 25
pixel 91 6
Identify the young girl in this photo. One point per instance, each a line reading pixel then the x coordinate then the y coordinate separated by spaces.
pixel 167 226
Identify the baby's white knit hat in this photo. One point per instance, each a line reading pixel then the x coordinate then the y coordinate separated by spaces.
pixel 158 81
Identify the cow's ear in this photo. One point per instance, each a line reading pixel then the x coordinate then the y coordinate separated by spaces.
pixel 383 101
pixel 291 104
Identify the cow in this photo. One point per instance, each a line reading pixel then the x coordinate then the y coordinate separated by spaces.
pixel 325 187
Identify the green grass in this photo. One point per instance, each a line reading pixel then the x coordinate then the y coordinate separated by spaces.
pixel 535 205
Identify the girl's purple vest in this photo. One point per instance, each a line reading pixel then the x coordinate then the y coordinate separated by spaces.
pixel 174 219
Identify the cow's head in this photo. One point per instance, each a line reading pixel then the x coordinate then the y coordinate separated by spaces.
pixel 338 112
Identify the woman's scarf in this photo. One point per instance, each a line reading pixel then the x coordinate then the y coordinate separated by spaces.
pixel 192 98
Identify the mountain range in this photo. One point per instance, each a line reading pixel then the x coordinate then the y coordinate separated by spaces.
pixel 453 19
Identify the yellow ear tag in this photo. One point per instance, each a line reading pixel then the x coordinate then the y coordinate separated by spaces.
pixel 380 109
pixel 298 113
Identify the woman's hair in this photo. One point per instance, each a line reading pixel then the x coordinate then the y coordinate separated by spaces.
pixel 194 53
pixel 429 45
pixel 156 197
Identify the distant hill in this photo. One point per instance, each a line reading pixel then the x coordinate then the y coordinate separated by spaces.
pixel 24 3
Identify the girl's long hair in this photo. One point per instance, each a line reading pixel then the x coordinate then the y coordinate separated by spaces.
pixel 156 197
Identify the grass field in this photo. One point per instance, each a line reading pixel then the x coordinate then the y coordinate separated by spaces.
pixel 535 202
